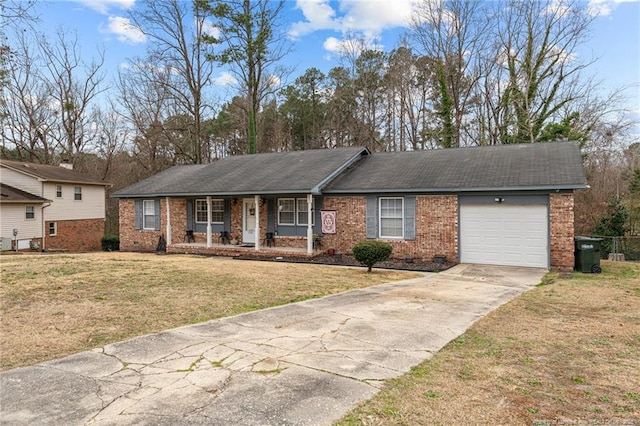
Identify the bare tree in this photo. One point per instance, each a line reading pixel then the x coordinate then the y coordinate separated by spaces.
pixel 74 86
pixel 176 32
pixel 147 103
pixel 452 34
pixel 538 41
pixel 49 97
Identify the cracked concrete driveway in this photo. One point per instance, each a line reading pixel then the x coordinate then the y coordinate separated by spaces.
pixel 303 363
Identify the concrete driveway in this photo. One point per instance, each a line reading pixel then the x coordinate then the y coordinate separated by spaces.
pixel 305 363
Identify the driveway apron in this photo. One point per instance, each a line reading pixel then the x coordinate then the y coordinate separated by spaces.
pixel 305 363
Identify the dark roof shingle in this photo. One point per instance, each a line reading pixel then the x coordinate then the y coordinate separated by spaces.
pixel 52 173
pixel 286 172
pixel 9 194
pixel 551 165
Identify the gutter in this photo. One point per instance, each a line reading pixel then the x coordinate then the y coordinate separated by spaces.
pixel 456 190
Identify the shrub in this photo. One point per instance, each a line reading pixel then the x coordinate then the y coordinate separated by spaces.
pixel 110 242
pixel 371 252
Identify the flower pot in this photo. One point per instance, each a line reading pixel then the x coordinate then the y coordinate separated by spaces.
pixel 331 251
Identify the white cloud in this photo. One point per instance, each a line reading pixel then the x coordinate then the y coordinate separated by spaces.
pixel 370 17
pixel 224 79
pixel 124 30
pixel 210 29
pixel 605 7
pixel 103 6
pixel 359 22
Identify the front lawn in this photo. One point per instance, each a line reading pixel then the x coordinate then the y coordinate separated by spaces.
pixel 567 352
pixel 55 305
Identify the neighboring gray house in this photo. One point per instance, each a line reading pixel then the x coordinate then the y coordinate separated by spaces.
pixel 505 205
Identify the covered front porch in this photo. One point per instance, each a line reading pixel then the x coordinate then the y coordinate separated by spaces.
pixel 275 224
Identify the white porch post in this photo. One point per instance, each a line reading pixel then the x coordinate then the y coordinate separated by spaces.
pixel 208 221
pixel 257 231
pixel 309 224
pixel 168 228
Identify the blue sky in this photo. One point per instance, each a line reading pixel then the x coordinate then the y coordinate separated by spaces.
pixel 318 27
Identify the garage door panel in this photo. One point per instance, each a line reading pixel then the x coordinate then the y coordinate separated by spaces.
pixel 504 235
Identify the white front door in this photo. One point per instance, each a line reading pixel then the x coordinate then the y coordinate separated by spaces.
pixel 248 221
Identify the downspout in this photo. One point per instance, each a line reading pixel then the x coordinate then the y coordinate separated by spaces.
pixel 43 227
pixel 168 230
pixel 309 224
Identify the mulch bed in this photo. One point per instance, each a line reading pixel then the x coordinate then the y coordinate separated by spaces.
pixel 348 260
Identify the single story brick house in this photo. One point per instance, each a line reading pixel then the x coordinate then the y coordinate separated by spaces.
pixel 503 205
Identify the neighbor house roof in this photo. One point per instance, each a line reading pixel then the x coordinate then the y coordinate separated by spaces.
pixel 296 172
pixel 537 166
pixel 9 194
pixel 48 173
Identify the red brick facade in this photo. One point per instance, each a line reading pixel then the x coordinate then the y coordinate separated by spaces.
pixel 75 235
pixel 561 232
pixel 436 228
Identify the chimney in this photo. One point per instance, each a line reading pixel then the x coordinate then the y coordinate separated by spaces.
pixel 66 164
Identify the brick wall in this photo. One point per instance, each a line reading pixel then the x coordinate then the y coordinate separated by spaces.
pixel 561 232
pixel 76 235
pixel 132 239
pixel 436 227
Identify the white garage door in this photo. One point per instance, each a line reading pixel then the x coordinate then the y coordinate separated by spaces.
pixel 504 235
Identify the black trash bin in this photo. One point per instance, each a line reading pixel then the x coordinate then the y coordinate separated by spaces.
pixel 588 255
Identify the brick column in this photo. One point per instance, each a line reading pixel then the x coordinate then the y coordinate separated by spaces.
pixel 561 232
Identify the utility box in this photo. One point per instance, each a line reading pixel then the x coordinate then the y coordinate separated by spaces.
pixel 5 244
pixel 587 255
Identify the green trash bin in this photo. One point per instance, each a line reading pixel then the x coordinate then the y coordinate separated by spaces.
pixel 588 255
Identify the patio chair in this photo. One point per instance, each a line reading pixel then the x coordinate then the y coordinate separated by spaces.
pixel 269 239
pixel 224 237
pixel 189 237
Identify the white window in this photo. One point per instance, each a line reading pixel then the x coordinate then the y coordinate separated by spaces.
pixel 58 191
pixel 30 212
pixel 303 213
pixel 217 211
pixel 286 211
pixel 293 211
pixel 53 228
pixel 201 211
pixel 77 193
pixel 149 214
pixel 391 217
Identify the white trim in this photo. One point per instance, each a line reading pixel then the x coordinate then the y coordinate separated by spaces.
pixel 257 233
pixel 168 239
pixel 33 212
pixel 298 211
pixel 280 211
pixel 207 203
pixel 309 223
pixel 55 229
pixel 209 216
pixel 393 237
pixel 144 215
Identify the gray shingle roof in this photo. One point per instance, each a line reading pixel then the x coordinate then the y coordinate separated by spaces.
pixel 539 166
pixel 548 166
pixel 51 173
pixel 9 194
pixel 290 172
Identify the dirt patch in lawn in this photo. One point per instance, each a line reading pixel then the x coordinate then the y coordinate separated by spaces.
pixel 55 305
pixel 567 352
